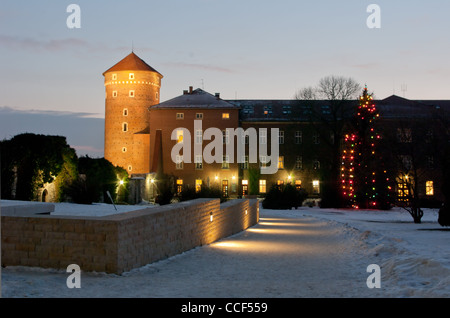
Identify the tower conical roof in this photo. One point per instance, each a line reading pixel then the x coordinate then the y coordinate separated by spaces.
pixel 131 62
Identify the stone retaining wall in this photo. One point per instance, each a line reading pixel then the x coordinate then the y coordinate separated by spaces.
pixel 121 242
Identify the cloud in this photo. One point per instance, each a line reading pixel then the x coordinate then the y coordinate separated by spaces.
pixel 59 45
pixel 10 110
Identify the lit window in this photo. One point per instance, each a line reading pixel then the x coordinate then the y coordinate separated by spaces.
pixel 316 187
pixel 280 182
pixel 131 93
pixel 114 77
pixel 179 163
pixel 125 112
pixel 403 190
pixel 225 115
pixel 198 185
pixel 180 116
pixel 131 76
pixel 179 136
pixel 124 127
pixel 298 184
pixel 179 185
pixel 199 116
pixel 114 94
pixel 198 162
pixel 281 162
pixel 262 186
pixel 429 187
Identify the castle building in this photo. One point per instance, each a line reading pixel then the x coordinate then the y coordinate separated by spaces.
pixel 141 134
pixel 131 87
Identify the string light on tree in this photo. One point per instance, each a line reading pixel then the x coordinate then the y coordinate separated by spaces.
pixel 360 171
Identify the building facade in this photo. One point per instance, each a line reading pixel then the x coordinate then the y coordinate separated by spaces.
pixel 180 138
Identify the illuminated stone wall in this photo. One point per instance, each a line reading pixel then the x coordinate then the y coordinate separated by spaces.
pixel 121 242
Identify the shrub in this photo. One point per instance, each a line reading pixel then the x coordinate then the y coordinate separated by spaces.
pixel 281 197
pixel 189 193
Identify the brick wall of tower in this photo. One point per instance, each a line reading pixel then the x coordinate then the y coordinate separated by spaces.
pixel 126 103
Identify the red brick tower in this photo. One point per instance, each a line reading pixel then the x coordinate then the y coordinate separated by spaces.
pixel 132 86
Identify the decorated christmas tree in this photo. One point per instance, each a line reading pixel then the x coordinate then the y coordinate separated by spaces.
pixel 363 178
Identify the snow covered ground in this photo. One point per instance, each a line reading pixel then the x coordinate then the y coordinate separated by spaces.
pixel 308 252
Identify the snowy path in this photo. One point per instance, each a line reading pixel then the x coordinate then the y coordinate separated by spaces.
pixel 282 256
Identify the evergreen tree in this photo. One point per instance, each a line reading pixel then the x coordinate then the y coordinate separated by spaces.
pixel 364 180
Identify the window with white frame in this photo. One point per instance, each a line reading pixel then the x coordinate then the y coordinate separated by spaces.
pixel 298 162
pixel 281 137
pixel 263 137
pixel 298 137
pixel 198 136
pixel 198 162
pixel 263 161
pixel 179 162
pixel 225 162
pixel 262 186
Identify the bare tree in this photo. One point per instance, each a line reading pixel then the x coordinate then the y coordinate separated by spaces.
pixel 306 93
pixel 338 88
pixel 329 110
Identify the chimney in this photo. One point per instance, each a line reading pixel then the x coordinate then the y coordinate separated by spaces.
pixel 185 92
pixel 190 89
pixel 217 95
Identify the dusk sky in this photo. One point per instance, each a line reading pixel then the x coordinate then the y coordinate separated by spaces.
pixel 247 49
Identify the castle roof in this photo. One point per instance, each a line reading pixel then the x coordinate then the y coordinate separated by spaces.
pixel 131 62
pixel 195 99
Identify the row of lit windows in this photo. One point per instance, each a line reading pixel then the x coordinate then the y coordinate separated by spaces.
pixel 403 189
pixel 131 93
pixel 199 116
pixel 245 138
pixel 130 76
pixel 262 185
pixel 198 161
